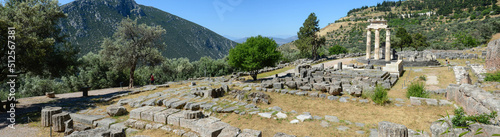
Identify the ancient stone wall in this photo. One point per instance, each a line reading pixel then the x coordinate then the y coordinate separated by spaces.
pixel 493 55
pixel 474 100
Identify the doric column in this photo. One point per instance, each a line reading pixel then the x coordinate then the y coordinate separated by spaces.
pixel 387 44
pixel 368 43
pixel 377 44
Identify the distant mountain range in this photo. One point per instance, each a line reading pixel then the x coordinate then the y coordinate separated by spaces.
pixel 90 21
pixel 279 41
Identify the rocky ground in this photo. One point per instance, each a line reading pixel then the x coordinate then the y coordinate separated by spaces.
pixel 323 100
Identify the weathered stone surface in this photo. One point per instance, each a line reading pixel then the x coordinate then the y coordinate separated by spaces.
pixel 278 85
pixel 58 121
pixel 324 124
pixel 98 132
pixel 149 113
pixel 104 123
pixel 342 128
pixel 281 115
pixel 386 129
pixel 47 115
pixel 250 133
pixel 306 88
pixel 279 134
pixel 116 110
pixel 193 114
pixel 291 84
pixel 493 55
pixel 335 90
pixel 174 119
pixel 85 119
pixel 333 97
pixel 355 90
pixel 415 101
pixel 118 126
pixel 304 117
pixel 136 113
pixel 331 118
pixel 161 117
pixel 81 127
pixel 266 115
pixel 140 125
pixel 178 104
pixel 229 131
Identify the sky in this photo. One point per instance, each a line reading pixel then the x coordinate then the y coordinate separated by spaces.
pixel 245 18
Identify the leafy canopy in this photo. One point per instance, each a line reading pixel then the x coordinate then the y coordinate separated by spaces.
pixel 335 50
pixel 133 44
pixel 309 42
pixel 254 54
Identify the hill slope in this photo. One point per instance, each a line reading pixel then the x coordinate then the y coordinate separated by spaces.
pixel 89 21
pixel 441 25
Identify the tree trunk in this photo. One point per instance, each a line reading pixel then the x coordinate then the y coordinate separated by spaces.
pixel 47 115
pixel 253 74
pixel 132 70
pixel 58 121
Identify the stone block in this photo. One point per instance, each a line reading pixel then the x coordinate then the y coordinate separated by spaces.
pixel 85 119
pixel 229 131
pixel 161 117
pixel 149 113
pixel 174 119
pixel 104 123
pixel 388 129
pixel 136 113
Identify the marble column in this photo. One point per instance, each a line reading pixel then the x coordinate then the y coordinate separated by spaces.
pixel 377 44
pixel 368 43
pixel 387 44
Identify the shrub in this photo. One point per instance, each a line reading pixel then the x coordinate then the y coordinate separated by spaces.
pixel 37 86
pixel 492 76
pixel 461 119
pixel 423 78
pixel 335 50
pixel 417 89
pixel 380 95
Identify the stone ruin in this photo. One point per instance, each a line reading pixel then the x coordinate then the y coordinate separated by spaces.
pixel 493 55
pixel 346 79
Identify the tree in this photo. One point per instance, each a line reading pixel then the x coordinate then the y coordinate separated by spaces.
pixel 335 50
pixel 132 45
pixel 254 54
pixel 419 42
pixel 40 48
pixel 309 41
pixel 404 38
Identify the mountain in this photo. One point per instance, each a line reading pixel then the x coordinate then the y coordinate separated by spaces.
pixel 90 21
pixel 279 41
pixel 446 24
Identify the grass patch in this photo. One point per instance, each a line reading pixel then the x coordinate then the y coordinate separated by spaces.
pixel 423 78
pixel 379 95
pixel 492 76
pixel 417 89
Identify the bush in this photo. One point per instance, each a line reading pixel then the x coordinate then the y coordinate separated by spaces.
pixel 37 86
pixel 335 50
pixel 379 95
pixel 423 78
pixel 492 76
pixel 417 89
pixel 461 119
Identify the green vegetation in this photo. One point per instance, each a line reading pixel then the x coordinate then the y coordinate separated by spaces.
pixel 38 46
pixel 492 76
pixel 379 95
pixel 336 49
pixel 133 44
pixel 254 54
pixel 461 120
pixel 423 78
pixel 417 89
pixel 308 42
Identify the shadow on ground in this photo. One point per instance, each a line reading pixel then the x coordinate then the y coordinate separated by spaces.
pixel 31 113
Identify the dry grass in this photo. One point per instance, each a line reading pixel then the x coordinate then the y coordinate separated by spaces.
pixel 274 72
pixel 495 37
pixel 444 76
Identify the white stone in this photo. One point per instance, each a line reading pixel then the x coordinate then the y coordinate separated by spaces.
pixel 294 121
pixel 281 115
pixel 266 115
pixel 304 117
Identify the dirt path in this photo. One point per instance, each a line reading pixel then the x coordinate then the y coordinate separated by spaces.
pixel 22 129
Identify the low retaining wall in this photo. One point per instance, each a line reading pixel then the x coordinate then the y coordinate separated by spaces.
pixel 474 100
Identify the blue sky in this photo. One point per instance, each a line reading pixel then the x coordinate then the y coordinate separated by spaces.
pixel 244 18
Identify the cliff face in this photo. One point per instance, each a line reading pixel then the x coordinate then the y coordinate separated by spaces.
pixel 90 21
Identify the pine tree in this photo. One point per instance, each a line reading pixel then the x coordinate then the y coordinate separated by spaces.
pixel 309 41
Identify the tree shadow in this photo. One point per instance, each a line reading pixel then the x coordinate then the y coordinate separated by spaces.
pixel 32 113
